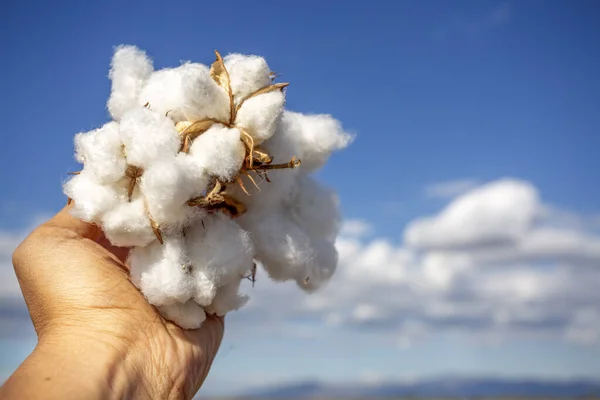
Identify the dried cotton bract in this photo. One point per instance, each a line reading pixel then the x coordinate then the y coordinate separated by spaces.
pixel 203 174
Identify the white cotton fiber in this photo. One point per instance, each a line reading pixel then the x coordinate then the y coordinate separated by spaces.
pixel 186 93
pixel 167 187
pixel 205 288
pixel 148 136
pixel 167 193
pixel 219 249
pixel 127 224
pixel 315 209
pixel 247 73
pixel 163 271
pixel 282 247
pixel 92 198
pixel 260 115
pixel 100 151
pixel 130 69
pixel 227 299
pixel 220 150
pixel 188 315
pixel 317 136
pixel 321 267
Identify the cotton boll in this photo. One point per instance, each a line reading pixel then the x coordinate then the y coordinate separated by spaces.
pixel 188 315
pixel 220 150
pixel 227 299
pixel 167 186
pixel 130 69
pixel 317 136
pixel 220 251
pixel 148 136
pixel 260 114
pixel 100 151
pixel 127 224
pixel 162 271
pixel 315 209
pixel 247 73
pixel 187 92
pixel 91 198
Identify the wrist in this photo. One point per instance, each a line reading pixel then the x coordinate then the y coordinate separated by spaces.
pixel 76 365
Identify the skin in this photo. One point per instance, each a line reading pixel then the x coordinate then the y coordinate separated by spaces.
pixel 98 338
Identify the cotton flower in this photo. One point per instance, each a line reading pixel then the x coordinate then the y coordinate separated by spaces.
pixel 204 175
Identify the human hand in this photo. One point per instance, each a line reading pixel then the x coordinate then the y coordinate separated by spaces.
pixel 97 335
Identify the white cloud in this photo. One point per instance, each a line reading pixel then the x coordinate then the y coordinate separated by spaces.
pixel 498 212
pixel 449 189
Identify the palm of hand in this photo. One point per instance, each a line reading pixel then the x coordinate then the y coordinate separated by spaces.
pixel 76 283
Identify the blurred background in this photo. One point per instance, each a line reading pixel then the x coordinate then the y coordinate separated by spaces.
pixel 470 252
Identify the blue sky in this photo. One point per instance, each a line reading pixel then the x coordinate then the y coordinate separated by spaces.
pixel 458 93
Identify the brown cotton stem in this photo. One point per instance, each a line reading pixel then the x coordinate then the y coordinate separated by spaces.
pixel 293 163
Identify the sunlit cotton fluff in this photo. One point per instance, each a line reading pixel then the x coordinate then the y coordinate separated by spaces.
pixel 203 175
pixel 130 70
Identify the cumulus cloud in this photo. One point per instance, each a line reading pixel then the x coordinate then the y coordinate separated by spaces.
pixel 493 265
pixel 500 212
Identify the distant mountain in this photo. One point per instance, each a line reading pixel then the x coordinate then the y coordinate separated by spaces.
pixel 444 388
